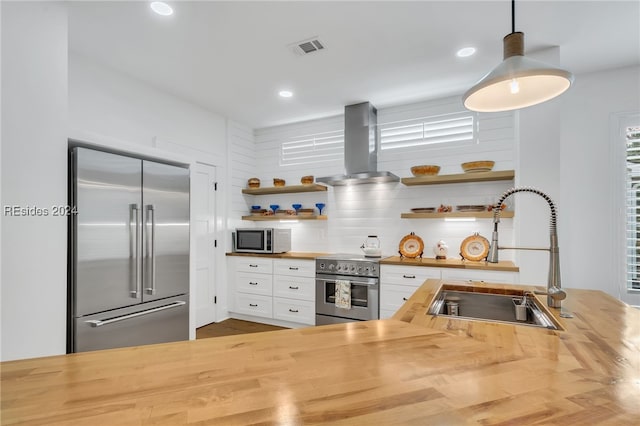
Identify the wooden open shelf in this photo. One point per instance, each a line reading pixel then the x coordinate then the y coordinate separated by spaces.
pixel 291 189
pixel 285 217
pixel 460 178
pixel 478 215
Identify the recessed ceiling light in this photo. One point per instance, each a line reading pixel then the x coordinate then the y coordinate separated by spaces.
pixel 285 93
pixel 161 8
pixel 466 51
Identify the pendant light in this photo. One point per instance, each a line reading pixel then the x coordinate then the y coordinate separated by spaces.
pixel 518 82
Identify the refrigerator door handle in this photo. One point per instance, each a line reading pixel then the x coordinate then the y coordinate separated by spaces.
pixel 98 323
pixel 151 249
pixel 134 226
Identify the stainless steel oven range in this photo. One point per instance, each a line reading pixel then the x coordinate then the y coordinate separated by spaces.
pixel 363 275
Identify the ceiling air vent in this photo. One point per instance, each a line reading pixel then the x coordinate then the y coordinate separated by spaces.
pixel 308 46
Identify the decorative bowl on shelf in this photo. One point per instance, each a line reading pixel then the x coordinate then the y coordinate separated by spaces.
pixel 477 166
pixel 255 207
pixel 253 183
pixel 296 207
pixel 306 180
pixel 320 206
pixel 425 170
pixel 274 207
pixel 278 182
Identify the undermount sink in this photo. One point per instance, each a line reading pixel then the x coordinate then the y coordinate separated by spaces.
pixel 480 304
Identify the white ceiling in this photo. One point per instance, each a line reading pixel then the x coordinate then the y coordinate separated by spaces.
pixel 232 57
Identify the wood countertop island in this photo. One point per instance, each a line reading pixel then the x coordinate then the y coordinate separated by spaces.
pixel 413 369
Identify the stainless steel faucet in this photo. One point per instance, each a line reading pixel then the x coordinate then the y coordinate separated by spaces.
pixel 554 292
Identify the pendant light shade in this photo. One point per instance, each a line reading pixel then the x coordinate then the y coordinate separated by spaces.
pixel 518 82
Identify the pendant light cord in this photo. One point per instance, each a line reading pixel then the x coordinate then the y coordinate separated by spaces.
pixel 513 16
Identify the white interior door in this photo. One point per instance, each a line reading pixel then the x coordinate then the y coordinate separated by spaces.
pixel 204 202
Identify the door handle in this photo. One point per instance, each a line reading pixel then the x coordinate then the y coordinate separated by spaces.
pixel 409 276
pixel 291 268
pixel 99 323
pixel 151 249
pixel 134 249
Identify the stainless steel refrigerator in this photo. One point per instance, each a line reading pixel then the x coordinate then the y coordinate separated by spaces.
pixel 128 251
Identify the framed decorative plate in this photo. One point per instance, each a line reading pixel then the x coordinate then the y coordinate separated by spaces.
pixel 475 247
pixel 411 245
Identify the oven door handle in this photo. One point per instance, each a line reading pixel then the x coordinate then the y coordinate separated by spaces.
pixel 351 281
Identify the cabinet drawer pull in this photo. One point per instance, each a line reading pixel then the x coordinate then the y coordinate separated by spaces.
pixel 253 266
pixel 409 276
pixel 405 299
pixel 252 283
pixel 295 311
pixel 253 305
pixel 292 268
pixel 294 288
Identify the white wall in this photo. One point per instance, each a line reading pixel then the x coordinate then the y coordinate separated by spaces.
pixel 48 97
pixel 34 173
pixel 587 215
pixel 360 210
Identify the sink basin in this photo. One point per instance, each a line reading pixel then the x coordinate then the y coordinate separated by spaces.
pixel 482 305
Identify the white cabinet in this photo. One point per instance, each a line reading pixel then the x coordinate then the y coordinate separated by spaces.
pixel 398 282
pixel 254 265
pixel 254 304
pixel 275 289
pixel 254 283
pixel 294 267
pixel 253 286
pixel 299 311
pixel 455 274
pixel 294 290
pixel 302 288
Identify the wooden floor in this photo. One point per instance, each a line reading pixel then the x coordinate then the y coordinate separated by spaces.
pixel 231 327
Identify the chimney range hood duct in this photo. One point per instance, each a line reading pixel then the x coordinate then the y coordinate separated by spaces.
pixel 360 148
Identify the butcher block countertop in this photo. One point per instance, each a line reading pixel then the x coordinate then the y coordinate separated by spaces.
pixel 303 255
pixel 503 265
pixel 413 369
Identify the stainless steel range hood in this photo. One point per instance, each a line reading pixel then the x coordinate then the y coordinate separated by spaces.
pixel 360 148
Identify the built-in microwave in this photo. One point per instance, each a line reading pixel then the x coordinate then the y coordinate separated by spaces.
pixel 262 240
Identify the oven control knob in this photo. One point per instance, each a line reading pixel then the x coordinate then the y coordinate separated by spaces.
pixel 339 267
pixel 366 269
pixel 353 267
pixel 322 266
pixel 331 266
pixel 359 269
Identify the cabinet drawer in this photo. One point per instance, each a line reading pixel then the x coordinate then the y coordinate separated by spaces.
pixel 301 311
pixel 251 304
pixel 294 288
pixel 294 267
pixel 407 275
pixel 480 275
pixel 254 264
pixel 254 283
pixel 393 296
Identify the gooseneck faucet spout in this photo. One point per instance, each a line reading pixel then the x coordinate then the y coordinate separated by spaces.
pixel 554 292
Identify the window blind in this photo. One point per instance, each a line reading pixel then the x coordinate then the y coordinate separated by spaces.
pixel 453 128
pixel 313 149
pixel 632 136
